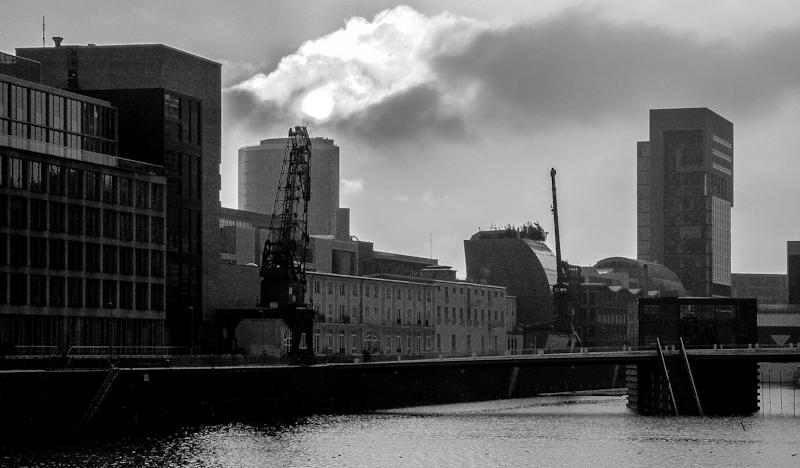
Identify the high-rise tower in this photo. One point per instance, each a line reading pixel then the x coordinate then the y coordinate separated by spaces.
pixel 685 195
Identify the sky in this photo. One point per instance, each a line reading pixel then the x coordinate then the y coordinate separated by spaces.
pixel 450 114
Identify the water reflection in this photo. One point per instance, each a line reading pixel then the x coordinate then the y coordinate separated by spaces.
pixel 555 430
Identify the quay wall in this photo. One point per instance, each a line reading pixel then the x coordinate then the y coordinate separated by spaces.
pixel 50 403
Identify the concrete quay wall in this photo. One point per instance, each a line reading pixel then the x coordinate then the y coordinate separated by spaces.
pixel 50 403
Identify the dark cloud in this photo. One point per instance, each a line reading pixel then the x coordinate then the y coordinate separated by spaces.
pixel 575 67
pixel 243 109
pixel 410 114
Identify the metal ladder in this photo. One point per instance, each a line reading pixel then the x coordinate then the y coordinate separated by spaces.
pixel 666 374
pixel 111 377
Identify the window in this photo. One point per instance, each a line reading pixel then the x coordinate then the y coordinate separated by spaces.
pixel 75 256
pixel 75 219
pixel 156 297
pixel 93 186
pixel 109 224
pixel 142 228
pixel 172 106
pixel 157 230
pixel 75 292
pixel 38 252
pixel 56 291
pixel 56 254
pixel 156 263
pixel 126 226
pixel 109 188
pixel 92 292
pixel 92 258
pixel 18 288
pixel 38 290
pixel 36 177
pixel 92 222
pixel 157 197
pixel 125 295
pixel 109 294
pixel 125 191
pixel 55 180
pixel 141 296
pixel 19 251
pixel 18 207
pixel 57 217
pixel 141 194
pixel 109 259
pixel 38 214
pixel 125 260
pixel 75 183
pixel 142 262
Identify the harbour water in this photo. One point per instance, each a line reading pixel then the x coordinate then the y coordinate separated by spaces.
pixel 575 430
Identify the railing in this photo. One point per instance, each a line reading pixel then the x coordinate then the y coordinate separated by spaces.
pixel 124 351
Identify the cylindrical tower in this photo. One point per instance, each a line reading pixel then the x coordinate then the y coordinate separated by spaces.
pixel 260 170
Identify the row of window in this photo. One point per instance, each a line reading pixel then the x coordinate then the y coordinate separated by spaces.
pixel 326 343
pixel 58 291
pixel 58 254
pixel 40 215
pixel 376 290
pixel 58 180
pixel 23 104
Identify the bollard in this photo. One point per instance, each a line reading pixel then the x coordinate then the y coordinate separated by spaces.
pixel 749 345
pixel 356 360
pixel 756 345
pixel 540 351
pixel 399 357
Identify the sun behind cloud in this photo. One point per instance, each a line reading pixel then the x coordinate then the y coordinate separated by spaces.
pixel 318 104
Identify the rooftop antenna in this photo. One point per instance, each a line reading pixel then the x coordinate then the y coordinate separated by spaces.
pixel 430 234
pixel 42 31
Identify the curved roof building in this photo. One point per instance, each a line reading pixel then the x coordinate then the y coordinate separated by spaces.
pixel 527 268
pixel 649 276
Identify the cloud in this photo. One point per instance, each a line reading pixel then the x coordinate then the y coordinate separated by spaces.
pixel 401 198
pixel 351 187
pixel 404 75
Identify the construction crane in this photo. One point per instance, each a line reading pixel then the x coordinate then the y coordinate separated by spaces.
pixel 564 293
pixel 283 261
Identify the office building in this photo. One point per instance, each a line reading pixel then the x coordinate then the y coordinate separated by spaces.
pixel 259 172
pixel 168 111
pixel 793 271
pixel 768 289
pixel 684 197
pixel 82 230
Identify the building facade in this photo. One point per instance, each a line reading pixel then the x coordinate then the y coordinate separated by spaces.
pixel 82 231
pixel 392 315
pixel 766 288
pixel 684 197
pixel 169 114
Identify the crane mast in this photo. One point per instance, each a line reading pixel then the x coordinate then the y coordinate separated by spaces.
pixel 563 290
pixel 283 261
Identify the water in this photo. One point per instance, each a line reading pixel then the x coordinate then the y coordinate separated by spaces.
pixel 543 431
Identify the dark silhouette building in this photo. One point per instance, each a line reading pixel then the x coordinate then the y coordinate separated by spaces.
pixel 526 267
pixel 684 197
pixel 793 270
pixel 82 230
pixel 168 107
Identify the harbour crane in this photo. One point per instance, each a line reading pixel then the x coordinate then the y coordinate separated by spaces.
pixel 566 278
pixel 283 261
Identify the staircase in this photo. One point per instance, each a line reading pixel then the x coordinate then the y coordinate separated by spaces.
pixel 111 377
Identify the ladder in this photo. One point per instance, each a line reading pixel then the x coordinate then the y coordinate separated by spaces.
pixel 111 377
pixel 666 374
